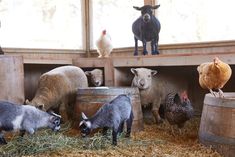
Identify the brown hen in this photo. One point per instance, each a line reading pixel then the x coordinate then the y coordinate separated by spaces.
pixel 214 75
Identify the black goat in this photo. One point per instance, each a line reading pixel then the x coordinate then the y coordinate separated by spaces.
pixel 146 28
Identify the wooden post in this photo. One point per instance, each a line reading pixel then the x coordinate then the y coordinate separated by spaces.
pixel 12 79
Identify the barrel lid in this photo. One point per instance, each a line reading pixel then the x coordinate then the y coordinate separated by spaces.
pixel 105 90
pixel 227 101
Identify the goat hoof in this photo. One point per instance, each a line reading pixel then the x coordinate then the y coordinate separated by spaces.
pixel 114 143
pixel 3 141
pixel 145 53
pixel 155 53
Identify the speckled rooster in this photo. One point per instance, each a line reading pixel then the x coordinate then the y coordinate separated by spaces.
pixel 177 109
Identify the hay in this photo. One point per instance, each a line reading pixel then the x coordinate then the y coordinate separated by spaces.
pixel 153 141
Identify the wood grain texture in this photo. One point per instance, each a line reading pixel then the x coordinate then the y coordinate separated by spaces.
pixel 89 100
pixel 12 79
pixel 217 127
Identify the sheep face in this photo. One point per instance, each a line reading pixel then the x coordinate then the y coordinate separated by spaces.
pixel 143 77
pixel 96 77
pixel 85 126
pixel 54 121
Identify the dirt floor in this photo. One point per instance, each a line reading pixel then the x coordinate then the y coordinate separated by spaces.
pixel 153 141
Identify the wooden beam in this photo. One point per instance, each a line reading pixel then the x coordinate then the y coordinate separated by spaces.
pixel 171 60
pixel 105 63
pixel 148 2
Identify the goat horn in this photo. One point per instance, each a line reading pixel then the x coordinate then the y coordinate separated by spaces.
pixel 56 115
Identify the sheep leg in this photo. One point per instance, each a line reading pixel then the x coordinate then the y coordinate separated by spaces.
pixel 157 116
pixel 136 47
pixel 129 125
pixel 114 134
pixel 63 112
pixel 145 52
pixel 2 139
pixel 155 111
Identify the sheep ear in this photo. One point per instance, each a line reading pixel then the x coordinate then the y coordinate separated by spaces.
pixel 88 73
pixel 41 106
pixel 198 68
pixel 27 102
pixel 84 116
pixel 137 8
pixel 153 72
pixel 155 7
pixel 134 71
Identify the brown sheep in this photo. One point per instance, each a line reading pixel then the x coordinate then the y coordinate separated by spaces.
pixel 57 90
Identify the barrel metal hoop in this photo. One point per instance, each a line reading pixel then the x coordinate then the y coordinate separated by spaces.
pixel 216 139
pixel 219 102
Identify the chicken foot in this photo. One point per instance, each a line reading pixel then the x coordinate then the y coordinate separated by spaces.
pixel 219 94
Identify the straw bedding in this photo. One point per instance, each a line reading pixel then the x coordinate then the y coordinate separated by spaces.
pixel 153 141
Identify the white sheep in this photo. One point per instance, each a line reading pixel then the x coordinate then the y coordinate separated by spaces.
pixel 95 77
pixel 25 118
pixel 57 90
pixel 153 90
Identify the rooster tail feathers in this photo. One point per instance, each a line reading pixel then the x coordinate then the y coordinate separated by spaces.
pixel 177 99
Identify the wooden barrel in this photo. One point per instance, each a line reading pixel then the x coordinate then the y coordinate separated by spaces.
pixel 217 127
pixel 90 99
pixel 12 79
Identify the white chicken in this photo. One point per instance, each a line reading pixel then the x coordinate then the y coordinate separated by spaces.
pixel 104 45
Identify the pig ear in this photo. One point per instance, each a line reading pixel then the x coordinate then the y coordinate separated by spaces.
pixel 84 116
pixel 155 7
pixel 153 72
pixel 134 71
pixel 88 73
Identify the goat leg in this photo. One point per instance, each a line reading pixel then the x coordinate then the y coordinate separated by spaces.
pixel 22 133
pixel 145 52
pixel 136 47
pixel 129 125
pixel 114 134
pixel 120 128
pixel 2 139
pixel 154 47
pixel 104 131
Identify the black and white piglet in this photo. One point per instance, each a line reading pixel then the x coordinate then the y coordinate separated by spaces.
pixel 111 115
pixel 25 118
